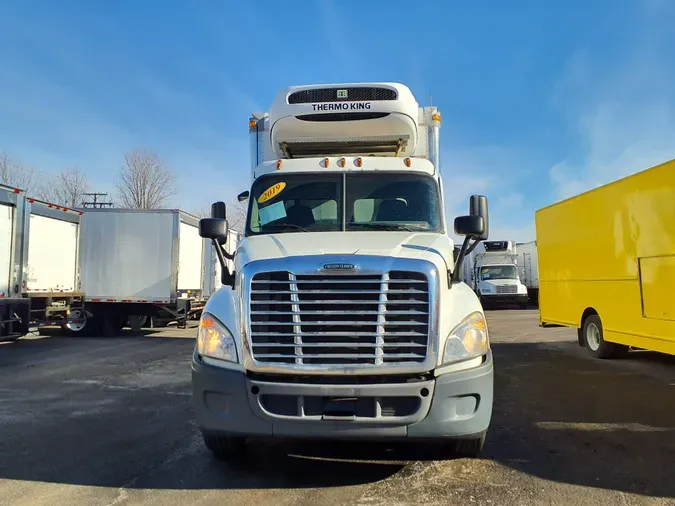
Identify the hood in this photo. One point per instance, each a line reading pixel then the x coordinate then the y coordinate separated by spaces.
pixel 437 248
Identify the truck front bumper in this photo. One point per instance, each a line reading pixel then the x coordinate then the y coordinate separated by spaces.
pixel 520 299
pixel 453 405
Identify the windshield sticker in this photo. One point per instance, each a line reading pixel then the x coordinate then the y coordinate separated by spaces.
pixel 271 192
pixel 273 212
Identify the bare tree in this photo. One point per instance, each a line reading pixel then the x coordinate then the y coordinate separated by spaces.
pixel 145 182
pixel 14 174
pixel 236 214
pixel 66 189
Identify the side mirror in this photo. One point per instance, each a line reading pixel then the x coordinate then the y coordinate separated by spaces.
pixel 470 226
pixel 473 227
pixel 478 206
pixel 213 228
pixel 243 196
pixel 218 210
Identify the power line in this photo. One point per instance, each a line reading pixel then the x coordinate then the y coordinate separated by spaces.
pixel 94 202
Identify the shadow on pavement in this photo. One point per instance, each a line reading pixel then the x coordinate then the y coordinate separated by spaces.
pixel 557 416
pixel 582 421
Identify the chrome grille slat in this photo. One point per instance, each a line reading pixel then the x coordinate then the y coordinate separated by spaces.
pixel 345 312
pixel 336 334
pixel 337 323
pixel 350 302
pixel 363 320
pixel 340 292
pixel 338 281
pixel 353 345
pixel 374 356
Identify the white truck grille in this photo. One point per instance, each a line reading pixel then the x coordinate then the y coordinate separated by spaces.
pixel 333 320
pixel 507 289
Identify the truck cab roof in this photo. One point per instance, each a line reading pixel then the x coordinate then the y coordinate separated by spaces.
pixel 333 164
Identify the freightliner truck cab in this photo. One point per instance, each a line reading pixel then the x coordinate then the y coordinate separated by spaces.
pixel 345 316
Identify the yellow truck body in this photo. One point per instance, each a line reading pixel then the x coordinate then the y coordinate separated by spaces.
pixel 609 254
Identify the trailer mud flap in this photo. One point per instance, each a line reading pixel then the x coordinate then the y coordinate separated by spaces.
pixel 182 312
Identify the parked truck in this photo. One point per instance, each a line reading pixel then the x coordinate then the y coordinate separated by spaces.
pixel 345 316
pixel 607 264
pixel 42 264
pixel 492 271
pixel 139 267
pixel 528 268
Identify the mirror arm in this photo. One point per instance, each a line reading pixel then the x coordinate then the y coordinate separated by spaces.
pixel 460 260
pixel 226 276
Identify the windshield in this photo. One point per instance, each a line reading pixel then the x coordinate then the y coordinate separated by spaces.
pixel 498 272
pixel 313 202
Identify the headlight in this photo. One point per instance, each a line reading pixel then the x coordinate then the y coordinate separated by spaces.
pixel 486 289
pixel 468 340
pixel 522 289
pixel 215 341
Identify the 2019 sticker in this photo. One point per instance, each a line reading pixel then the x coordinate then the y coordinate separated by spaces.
pixel 271 192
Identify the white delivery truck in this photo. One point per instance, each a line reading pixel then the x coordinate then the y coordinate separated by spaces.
pixel 139 266
pixel 492 271
pixel 345 315
pixel 528 268
pixel 43 259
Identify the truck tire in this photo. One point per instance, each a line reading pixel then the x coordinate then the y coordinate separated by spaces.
pixel 225 447
pixel 469 448
pixel 112 322
pixel 596 345
pixel 80 324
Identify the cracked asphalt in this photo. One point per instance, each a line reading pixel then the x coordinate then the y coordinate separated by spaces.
pixel 109 421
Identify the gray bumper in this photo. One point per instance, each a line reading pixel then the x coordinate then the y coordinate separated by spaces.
pixel 520 298
pixel 453 405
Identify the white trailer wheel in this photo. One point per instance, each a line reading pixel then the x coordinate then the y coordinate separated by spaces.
pixel 593 336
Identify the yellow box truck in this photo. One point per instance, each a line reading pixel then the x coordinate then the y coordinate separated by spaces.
pixel 607 264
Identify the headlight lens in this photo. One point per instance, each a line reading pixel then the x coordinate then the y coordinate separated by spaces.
pixel 468 340
pixel 215 341
pixel 486 289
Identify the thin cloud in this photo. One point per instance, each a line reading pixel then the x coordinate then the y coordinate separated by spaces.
pixel 623 114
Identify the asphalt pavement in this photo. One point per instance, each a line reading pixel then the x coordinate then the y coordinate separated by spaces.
pixel 108 421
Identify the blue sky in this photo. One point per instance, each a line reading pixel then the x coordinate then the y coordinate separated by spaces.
pixel 540 100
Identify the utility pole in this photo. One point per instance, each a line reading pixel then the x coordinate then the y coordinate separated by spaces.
pixel 95 202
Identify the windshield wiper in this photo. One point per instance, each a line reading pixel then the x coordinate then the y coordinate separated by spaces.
pixel 285 225
pixel 382 226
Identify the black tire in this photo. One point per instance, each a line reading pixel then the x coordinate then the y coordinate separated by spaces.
pixel 225 447
pixel 593 338
pixel 468 448
pixel 112 322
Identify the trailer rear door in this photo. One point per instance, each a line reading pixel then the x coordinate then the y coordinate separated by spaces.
pixel 189 258
pixel 52 255
pixel 6 219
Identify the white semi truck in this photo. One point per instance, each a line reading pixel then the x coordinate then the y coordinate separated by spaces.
pixel 528 267
pixel 492 271
pixel 345 316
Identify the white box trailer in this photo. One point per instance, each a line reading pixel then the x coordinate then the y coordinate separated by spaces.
pixel 529 269
pixel 140 264
pixel 39 253
pixel 14 308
